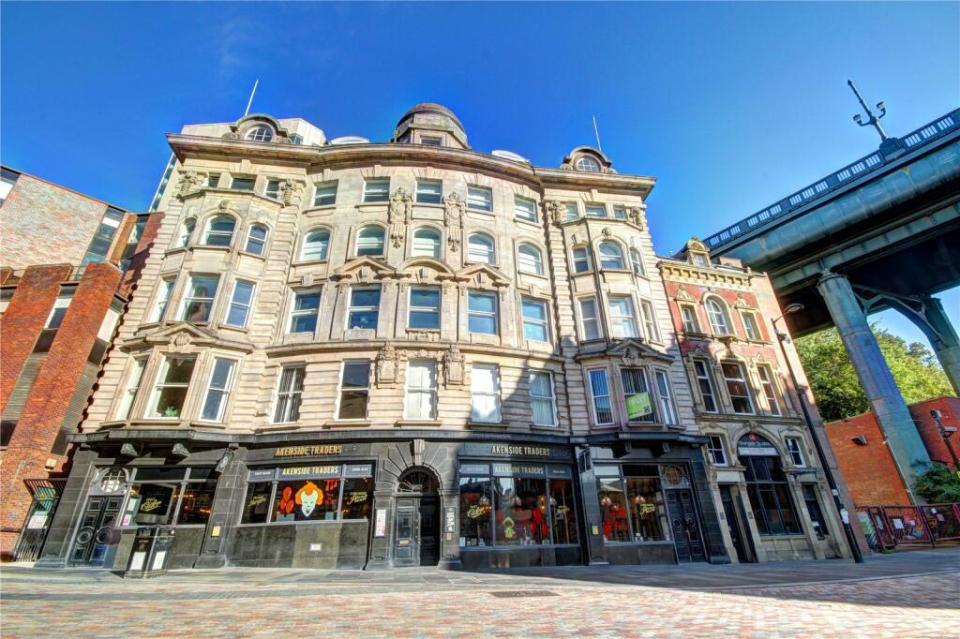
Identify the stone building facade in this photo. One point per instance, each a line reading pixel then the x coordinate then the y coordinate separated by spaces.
pixel 68 266
pixel 764 470
pixel 355 354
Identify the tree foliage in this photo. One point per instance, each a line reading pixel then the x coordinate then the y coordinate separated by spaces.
pixel 835 383
pixel 939 485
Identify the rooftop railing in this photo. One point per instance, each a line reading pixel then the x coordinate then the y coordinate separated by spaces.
pixel 859 169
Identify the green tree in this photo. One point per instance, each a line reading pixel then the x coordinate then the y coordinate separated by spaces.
pixel 836 386
pixel 939 485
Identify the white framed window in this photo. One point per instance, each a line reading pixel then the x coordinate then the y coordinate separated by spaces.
pixel 218 390
pixel 364 311
pixel 718 317
pixel 769 385
pixel 750 325
pixel 636 262
pixel 688 315
pixel 485 393
pixel 256 239
pixel 623 318
pixel 482 313
pixel 186 232
pixel 535 320
pixel 315 246
pixel 737 387
pixel 587 163
pixel 289 394
pixel 421 399
pixel 429 191
pixel 595 210
pixel 354 389
pixel 220 230
pixel 131 387
pixel 649 321
pixel 199 298
pixel 634 382
pixel 480 198
pixel 242 183
pixel 377 190
pixel 370 241
pixel 611 255
pixel 619 213
pixel 600 394
pixel 717 450
pixel 424 308
pixel 240 303
pixel 164 290
pixel 431 140
pixel 668 412
pixel 705 384
pixel 170 391
pixel 426 243
pixel 481 248
pixel 589 319
pixel 272 190
pixel 260 133
pixel 524 209
pixel 325 194
pixel 529 259
pixel 796 452
pixel 571 212
pixel 543 398
pixel 59 311
pixel 305 311
pixel 581 259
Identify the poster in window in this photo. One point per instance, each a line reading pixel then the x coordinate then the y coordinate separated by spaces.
pixel 638 405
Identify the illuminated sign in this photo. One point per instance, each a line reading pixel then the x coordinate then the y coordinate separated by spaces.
pixel 316 450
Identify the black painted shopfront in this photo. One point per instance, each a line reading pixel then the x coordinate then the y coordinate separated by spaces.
pixel 472 501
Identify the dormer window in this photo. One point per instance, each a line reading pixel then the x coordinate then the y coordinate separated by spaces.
pixel 260 133
pixel 587 163
pixel 699 259
pixel 431 140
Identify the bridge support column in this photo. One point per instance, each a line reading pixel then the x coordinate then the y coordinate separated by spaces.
pixel 945 344
pixel 875 376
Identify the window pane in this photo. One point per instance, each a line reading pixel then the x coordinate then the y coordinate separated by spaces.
pixel 480 249
pixel 476 511
pixel 601 396
pixel 535 320
pixel 613 509
pixel 595 210
pixel 356 374
pixel 196 502
pixel 426 242
pixel 376 190
pixel 240 304
pixel 581 260
pixel 370 241
pixel 326 194
pixel 542 400
pixel 310 500
pixel 152 504
pixel 563 507
pixel 610 255
pixel 647 512
pixel 256 507
pixel 429 191
pixel 353 405
pixel 315 246
pixel 525 209
pixel 357 498
pixel 479 198
pixel 529 259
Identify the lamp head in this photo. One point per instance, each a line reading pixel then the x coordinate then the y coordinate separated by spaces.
pixel 796 307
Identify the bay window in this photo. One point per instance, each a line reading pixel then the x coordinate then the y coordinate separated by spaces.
pixel 198 301
pixel 589 320
pixel 737 387
pixel 600 397
pixel 172 385
pixel 623 320
pixel 240 302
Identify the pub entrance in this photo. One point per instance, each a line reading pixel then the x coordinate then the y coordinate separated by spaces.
pixel 416 539
pixel 96 540
pixel 734 514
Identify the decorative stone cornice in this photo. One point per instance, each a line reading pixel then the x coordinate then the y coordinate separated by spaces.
pixel 673 270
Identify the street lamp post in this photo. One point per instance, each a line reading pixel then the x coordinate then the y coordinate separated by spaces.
pixel 946 434
pixel 831 482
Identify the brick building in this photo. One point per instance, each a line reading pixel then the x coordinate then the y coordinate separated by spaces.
pixel 69 262
pixel 867 464
pixel 765 473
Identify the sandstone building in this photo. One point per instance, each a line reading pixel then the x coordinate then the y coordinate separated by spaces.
pixel 356 354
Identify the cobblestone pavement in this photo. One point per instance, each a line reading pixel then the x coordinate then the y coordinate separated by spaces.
pixel 904 595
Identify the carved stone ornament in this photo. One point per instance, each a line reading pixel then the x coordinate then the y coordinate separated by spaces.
pixel 555 211
pixel 399 215
pixel 181 343
pixel 417 447
pixel 607 232
pixel 683 295
pixel 190 181
pixel 292 192
pixel 453 366
pixel 387 365
pixel 636 215
pixel 453 208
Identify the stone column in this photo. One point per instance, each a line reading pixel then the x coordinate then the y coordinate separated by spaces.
pixel 592 518
pixel 947 344
pixel 875 376
pixel 225 512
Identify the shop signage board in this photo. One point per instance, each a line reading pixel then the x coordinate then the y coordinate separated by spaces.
pixel 638 405
pixel 756 446
pixel 507 450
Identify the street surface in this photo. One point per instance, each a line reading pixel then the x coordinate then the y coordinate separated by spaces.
pixel 905 595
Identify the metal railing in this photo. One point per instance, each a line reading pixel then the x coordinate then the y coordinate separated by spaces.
pixel 887 527
pixel 862 167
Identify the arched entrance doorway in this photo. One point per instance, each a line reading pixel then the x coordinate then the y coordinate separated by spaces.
pixel 416 538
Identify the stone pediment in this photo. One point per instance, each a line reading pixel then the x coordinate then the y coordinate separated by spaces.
pixel 183 337
pixel 635 350
pixel 482 274
pixel 365 269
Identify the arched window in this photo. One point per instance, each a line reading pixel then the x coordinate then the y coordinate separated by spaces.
pixel 587 163
pixel 767 487
pixel 260 133
pixel 370 241
pixel 636 261
pixel 426 243
pixel 611 255
pixel 530 259
pixel 315 246
pixel 186 232
pixel 220 230
pixel 256 239
pixel 480 248
pixel 718 317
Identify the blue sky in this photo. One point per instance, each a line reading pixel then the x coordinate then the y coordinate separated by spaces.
pixel 730 106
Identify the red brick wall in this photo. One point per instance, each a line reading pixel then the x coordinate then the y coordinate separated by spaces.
pixel 869 470
pixel 46 407
pixel 144 245
pixel 949 407
pixel 24 319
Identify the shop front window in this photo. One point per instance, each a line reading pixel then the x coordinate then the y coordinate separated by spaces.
pixel 613 509
pixel 637 514
pixel 521 511
pixel 166 496
pixel 357 498
pixel 564 514
pixel 646 508
pixel 196 502
pixel 476 506
pixel 767 487
pixel 309 494
pixel 151 504
pixel 256 508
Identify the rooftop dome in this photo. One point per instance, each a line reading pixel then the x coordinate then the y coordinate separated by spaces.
pixel 432 107
pixel 431 124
